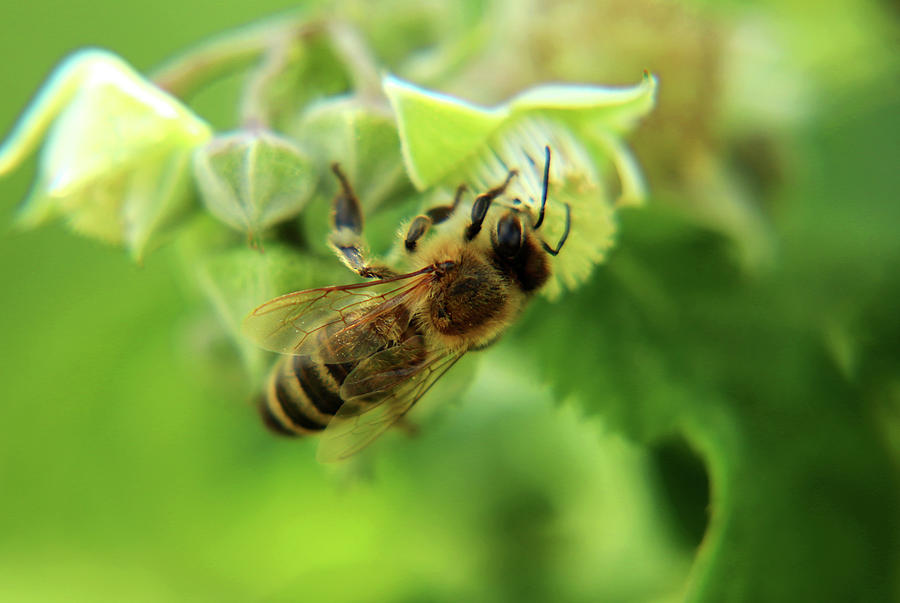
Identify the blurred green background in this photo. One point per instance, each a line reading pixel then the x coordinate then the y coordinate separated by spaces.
pixel 715 417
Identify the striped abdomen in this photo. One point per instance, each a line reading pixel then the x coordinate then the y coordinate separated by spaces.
pixel 303 393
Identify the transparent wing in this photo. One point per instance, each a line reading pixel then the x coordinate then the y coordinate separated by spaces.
pixel 372 411
pixel 338 324
pixel 386 369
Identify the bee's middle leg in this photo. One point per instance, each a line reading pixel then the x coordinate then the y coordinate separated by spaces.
pixel 347 231
pixel 420 224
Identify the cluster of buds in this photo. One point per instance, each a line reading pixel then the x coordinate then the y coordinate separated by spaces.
pixel 125 161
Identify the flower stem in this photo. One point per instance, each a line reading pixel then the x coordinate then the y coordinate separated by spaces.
pixel 196 67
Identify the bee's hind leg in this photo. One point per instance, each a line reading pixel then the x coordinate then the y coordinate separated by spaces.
pixel 347 226
pixel 409 429
pixel 420 225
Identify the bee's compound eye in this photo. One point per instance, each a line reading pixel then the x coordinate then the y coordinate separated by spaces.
pixel 509 235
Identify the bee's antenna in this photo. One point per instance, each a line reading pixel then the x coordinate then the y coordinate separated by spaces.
pixel 565 234
pixel 544 188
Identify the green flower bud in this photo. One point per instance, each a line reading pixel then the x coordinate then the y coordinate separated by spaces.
pixel 253 179
pixel 362 137
pixel 115 162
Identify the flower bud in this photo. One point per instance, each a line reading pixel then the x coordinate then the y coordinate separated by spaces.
pixel 362 137
pixel 253 179
pixel 115 161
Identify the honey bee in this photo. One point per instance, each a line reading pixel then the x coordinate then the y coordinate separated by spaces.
pixel 359 356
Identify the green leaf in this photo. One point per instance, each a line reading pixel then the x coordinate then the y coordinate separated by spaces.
pixel 238 280
pixel 681 347
pixel 252 180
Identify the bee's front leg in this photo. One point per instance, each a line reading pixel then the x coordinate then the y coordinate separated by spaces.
pixel 483 203
pixel 347 231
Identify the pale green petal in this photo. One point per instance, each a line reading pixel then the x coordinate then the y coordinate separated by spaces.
pixel 615 108
pixel 61 86
pixel 631 181
pixel 154 202
pixel 437 132
pixel 113 162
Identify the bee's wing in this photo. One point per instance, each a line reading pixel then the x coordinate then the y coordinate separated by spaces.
pixel 339 324
pixel 385 387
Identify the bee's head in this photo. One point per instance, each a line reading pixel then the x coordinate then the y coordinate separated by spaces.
pixel 517 250
pixel 509 239
pixel 510 236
